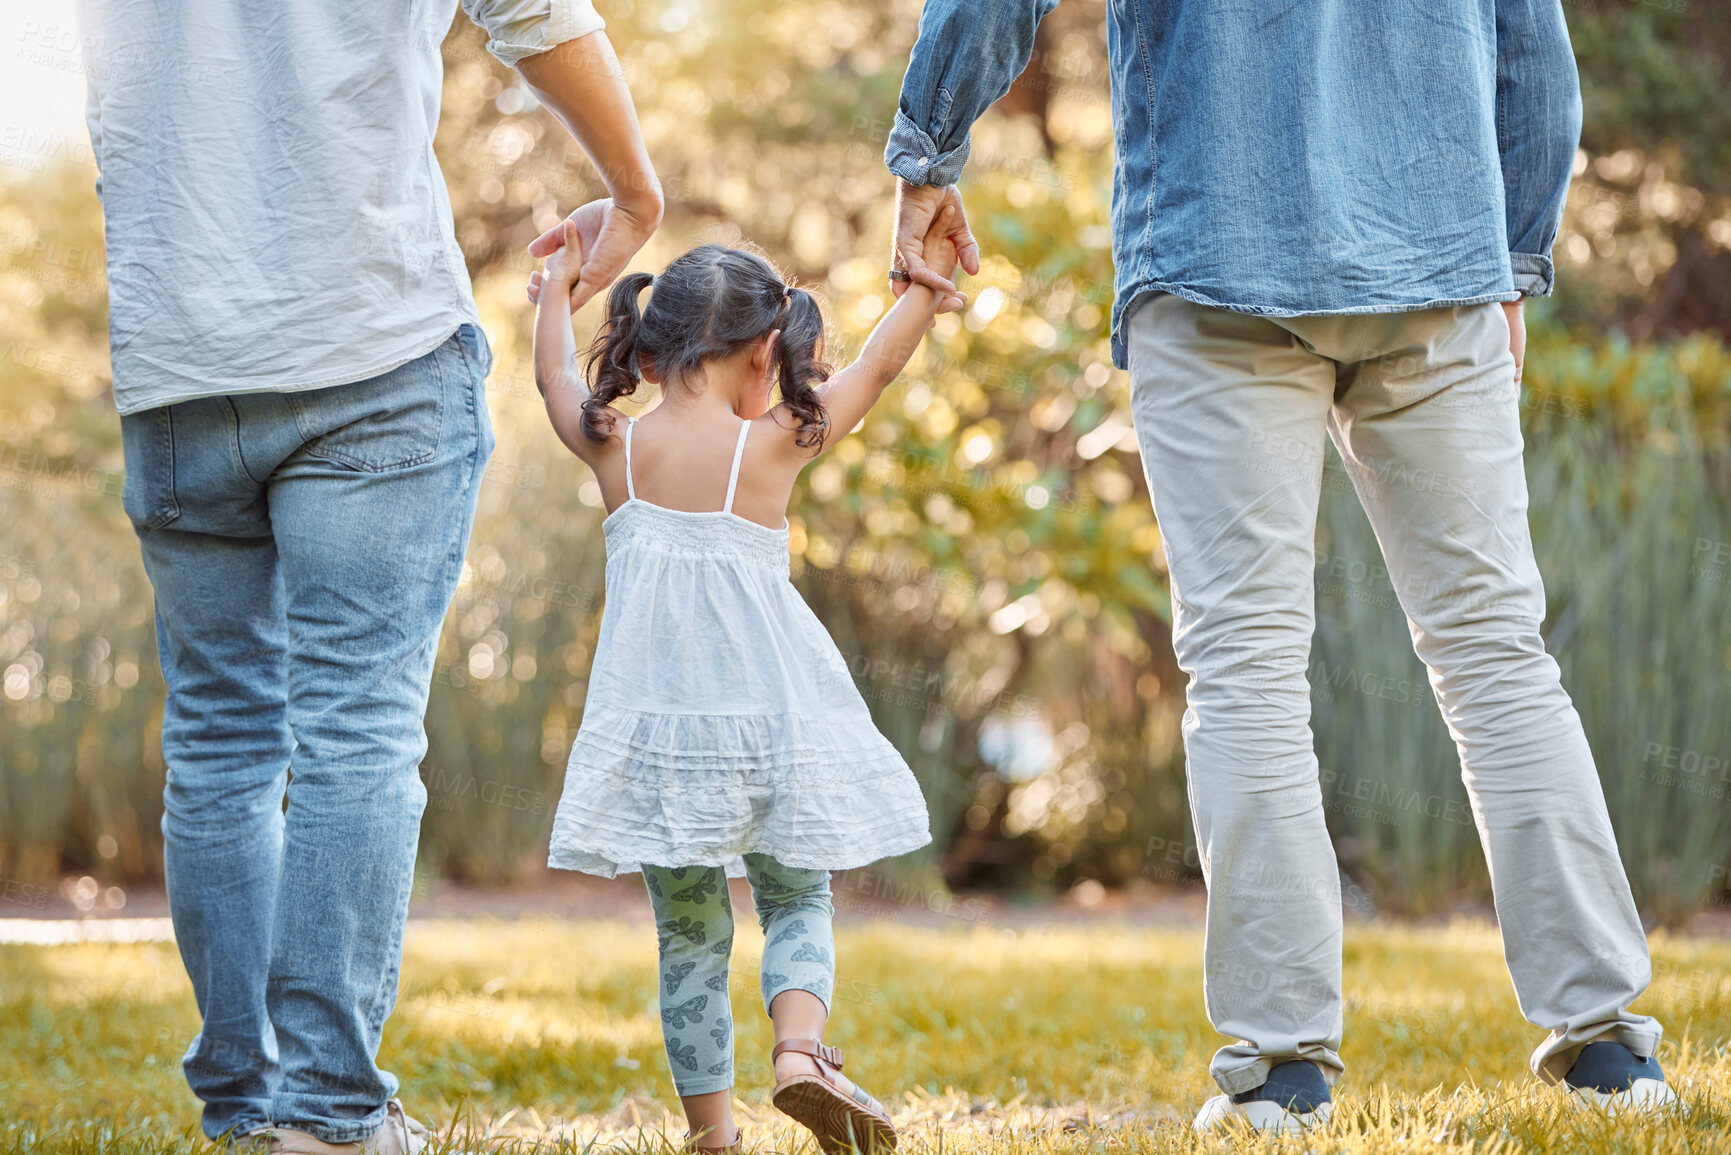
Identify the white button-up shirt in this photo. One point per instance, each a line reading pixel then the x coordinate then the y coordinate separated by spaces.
pixel 276 219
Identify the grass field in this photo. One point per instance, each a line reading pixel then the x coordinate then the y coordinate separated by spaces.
pixel 542 1035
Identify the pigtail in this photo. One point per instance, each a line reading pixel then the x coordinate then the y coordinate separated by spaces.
pixel 612 366
pixel 800 370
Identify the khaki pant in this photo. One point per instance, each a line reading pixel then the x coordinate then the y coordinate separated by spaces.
pixel 1423 408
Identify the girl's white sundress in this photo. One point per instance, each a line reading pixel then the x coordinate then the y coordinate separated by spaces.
pixel 721 719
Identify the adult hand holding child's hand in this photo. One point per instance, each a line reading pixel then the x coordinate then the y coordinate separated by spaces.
pixel 607 236
pixel 917 208
pixel 564 265
pixel 939 249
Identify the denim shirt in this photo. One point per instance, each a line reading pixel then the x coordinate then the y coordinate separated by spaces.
pixel 1291 157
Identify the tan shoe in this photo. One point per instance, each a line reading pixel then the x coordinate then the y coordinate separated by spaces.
pixel 401 1135
pixel 833 1107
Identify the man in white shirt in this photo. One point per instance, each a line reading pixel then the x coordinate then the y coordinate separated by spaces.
pixel 299 370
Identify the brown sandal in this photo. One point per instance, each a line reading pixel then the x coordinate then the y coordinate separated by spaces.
pixel 693 1147
pixel 842 1116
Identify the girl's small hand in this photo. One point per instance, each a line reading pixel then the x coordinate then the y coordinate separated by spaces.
pixel 938 250
pixel 941 256
pixel 565 263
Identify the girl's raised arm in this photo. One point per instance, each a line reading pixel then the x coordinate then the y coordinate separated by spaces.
pixel 557 374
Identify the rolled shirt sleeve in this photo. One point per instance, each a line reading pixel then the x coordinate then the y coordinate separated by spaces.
pixel 968 54
pixel 521 28
pixel 1538 131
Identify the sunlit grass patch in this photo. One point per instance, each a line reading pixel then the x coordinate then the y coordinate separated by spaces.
pixel 544 1035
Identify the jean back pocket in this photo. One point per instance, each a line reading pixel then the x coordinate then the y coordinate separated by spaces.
pixel 147 440
pixel 384 423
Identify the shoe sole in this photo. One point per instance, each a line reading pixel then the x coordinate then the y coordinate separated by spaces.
pixel 1644 1097
pixel 840 1124
pixel 1262 1117
pixel 1273 1119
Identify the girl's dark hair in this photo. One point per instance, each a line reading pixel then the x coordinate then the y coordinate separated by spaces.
pixel 712 302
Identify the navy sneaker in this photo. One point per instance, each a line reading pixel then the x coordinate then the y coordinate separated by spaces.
pixel 1609 1077
pixel 1295 1098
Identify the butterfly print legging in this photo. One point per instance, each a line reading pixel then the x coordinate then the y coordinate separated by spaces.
pixel 694 925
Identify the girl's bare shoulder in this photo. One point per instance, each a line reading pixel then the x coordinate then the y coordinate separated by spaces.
pixel 782 433
pixel 612 426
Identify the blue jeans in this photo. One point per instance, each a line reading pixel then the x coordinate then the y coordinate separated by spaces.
pixel 304 548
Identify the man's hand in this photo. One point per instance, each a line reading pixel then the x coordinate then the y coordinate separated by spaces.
pixel 581 83
pixel 1516 314
pixel 608 236
pixel 916 208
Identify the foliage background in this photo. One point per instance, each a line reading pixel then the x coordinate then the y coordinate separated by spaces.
pixel 983 549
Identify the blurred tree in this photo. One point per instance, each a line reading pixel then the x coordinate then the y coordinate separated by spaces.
pixel 1650 215
pixel 983 547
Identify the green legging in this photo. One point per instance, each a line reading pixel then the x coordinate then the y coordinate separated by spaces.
pixel 694 926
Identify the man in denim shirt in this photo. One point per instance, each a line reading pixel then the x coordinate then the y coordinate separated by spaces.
pixel 1325 217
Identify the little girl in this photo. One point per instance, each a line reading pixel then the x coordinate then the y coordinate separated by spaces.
pixel 723 734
